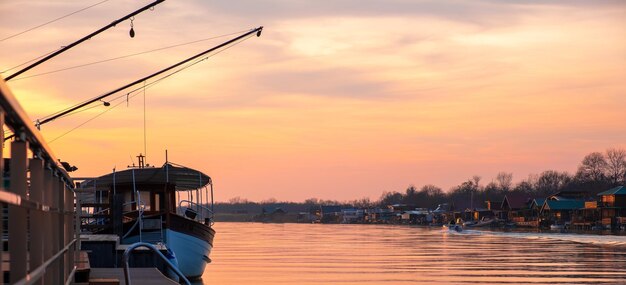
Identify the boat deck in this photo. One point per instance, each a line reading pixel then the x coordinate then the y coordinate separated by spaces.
pixel 150 276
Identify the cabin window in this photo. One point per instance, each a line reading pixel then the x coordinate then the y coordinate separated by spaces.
pixel 128 198
pixel 144 196
pixel 608 199
pixel 157 202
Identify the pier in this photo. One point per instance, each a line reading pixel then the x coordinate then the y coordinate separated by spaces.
pixel 41 230
pixel 42 237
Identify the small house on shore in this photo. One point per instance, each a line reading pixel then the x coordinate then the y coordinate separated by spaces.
pixel 331 214
pixel 515 207
pixel 613 207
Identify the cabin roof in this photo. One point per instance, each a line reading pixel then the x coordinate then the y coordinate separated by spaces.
pixel 515 201
pixel 619 190
pixel 563 205
pixel 538 201
pixel 331 209
pixel 274 210
pixel 182 177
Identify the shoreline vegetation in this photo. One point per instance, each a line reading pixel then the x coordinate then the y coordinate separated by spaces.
pixel 550 199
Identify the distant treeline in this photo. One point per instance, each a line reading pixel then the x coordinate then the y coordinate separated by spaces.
pixel 597 172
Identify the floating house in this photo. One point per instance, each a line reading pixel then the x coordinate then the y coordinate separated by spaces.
pixel 515 207
pixel 613 207
pixel 331 214
pixel 417 216
pixel 379 216
pixel 560 211
pixel 352 216
pixel 530 217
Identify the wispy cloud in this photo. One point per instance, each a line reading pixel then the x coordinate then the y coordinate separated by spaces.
pixel 358 96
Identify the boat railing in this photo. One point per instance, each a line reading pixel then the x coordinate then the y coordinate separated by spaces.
pixel 152 247
pixel 140 209
pixel 195 211
pixel 39 193
pixel 95 218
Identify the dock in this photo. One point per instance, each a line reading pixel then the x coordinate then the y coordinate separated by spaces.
pixel 111 276
pixel 42 243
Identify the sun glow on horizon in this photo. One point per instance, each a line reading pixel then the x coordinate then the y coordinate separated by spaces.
pixel 336 100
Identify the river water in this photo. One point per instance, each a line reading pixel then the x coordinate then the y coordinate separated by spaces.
pixel 255 253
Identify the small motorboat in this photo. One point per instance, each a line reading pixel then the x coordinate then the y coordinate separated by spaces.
pixel 557 227
pixel 454 227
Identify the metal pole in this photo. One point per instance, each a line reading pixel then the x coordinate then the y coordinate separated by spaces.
pixel 64 49
pixel 257 30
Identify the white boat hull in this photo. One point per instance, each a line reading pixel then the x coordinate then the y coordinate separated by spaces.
pixel 191 253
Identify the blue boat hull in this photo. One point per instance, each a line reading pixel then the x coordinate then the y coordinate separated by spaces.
pixel 191 252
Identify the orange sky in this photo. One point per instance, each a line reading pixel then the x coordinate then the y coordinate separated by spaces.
pixel 337 99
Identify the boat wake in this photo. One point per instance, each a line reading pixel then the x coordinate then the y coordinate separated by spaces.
pixel 602 240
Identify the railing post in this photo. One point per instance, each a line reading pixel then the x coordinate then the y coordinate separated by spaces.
pixel 77 212
pixel 54 230
pixel 69 229
pixel 60 195
pixel 1 185
pixel 36 217
pixel 18 231
pixel 48 247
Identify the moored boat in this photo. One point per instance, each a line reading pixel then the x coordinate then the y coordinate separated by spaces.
pixel 145 205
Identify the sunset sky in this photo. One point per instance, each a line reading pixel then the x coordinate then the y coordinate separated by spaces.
pixel 337 99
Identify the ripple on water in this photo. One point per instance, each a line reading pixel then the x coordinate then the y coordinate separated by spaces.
pixel 253 253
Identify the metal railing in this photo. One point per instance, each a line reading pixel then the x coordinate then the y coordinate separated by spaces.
pixel 41 204
pixel 154 249
pixel 195 211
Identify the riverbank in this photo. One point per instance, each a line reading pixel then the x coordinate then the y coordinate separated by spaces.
pixel 292 219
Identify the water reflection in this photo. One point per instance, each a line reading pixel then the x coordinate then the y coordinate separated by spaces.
pixel 251 253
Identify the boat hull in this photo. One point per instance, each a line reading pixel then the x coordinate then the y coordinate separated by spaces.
pixel 191 252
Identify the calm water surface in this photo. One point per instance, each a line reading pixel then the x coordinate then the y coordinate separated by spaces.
pixel 254 253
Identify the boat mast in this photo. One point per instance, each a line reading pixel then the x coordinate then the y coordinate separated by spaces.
pixel 87 37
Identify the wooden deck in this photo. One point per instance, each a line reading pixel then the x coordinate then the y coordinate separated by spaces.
pixel 150 276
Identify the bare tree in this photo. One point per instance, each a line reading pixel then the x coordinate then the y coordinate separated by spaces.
pixel 238 200
pixel 476 181
pixel 592 168
pixel 551 181
pixel 432 190
pixel 504 180
pixel 616 165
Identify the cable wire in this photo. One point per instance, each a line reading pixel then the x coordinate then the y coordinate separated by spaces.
pixel 127 94
pixel 52 21
pixel 145 87
pixel 113 58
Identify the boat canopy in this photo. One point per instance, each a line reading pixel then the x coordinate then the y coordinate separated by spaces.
pixel 183 178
